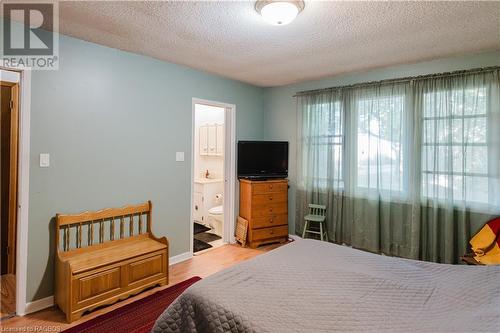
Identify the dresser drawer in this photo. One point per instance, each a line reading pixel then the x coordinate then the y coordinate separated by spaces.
pixel 259 199
pixel 265 210
pixel 266 233
pixel 269 221
pixel 270 187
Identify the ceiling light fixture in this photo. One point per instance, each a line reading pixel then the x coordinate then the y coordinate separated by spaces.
pixel 279 12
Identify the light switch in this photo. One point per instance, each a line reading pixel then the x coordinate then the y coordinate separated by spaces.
pixel 44 160
pixel 179 156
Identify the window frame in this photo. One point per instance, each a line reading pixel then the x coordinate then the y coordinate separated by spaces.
pixel 403 193
pixel 463 174
pixel 325 181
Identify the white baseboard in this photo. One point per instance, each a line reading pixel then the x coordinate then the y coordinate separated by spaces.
pixel 294 237
pixel 47 302
pixel 180 258
pixel 39 304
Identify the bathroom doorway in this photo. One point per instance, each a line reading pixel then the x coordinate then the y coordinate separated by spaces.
pixel 210 227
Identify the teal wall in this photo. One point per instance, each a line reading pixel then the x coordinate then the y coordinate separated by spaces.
pixel 112 122
pixel 280 117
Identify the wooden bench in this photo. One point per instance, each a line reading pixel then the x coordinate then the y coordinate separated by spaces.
pixel 106 256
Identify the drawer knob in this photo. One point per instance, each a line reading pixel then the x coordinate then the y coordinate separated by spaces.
pixel 272 232
pixel 271 220
pixel 271 198
pixel 270 209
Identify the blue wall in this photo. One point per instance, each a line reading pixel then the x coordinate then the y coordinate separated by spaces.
pixel 112 122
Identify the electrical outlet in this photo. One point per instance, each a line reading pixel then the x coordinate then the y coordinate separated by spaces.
pixel 44 160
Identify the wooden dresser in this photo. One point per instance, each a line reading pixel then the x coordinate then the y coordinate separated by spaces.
pixel 264 204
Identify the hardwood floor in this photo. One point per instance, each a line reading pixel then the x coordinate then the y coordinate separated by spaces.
pixel 8 296
pixel 203 265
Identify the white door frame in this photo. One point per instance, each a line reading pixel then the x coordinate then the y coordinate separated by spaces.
pixel 229 169
pixel 23 189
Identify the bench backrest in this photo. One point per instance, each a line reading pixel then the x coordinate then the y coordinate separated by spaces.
pixel 74 231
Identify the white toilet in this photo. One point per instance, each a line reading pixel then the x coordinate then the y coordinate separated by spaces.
pixel 216 219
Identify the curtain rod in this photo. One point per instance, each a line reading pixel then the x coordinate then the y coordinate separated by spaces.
pixel 400 80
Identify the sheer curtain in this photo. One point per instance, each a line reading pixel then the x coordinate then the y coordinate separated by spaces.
pixel 408 168
pixel 458 121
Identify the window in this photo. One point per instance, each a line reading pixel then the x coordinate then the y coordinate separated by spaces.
pixel 380 153
pixel 428 140
pixel 326 159
pixel 455 148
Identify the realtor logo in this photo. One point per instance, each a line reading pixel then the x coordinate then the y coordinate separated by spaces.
pixel 30 38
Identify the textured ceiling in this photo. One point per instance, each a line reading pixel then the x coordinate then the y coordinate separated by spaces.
pixel 327 38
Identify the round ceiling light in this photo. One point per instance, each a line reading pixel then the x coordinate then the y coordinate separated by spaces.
pixel 279 12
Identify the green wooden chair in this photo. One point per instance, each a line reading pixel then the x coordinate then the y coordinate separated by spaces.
pixel 317 214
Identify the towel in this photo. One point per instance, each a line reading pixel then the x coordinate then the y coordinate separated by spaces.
pixel 486 243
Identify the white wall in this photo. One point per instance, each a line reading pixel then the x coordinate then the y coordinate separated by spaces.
pixel 204 115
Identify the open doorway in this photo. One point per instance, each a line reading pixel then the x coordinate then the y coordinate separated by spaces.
pixel 208 177
pixel 9 142
pixel 213 175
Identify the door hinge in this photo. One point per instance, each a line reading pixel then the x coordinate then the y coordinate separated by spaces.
pixel 11 104
pixel 8 250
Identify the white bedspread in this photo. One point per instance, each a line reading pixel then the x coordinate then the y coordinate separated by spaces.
pixel 312 286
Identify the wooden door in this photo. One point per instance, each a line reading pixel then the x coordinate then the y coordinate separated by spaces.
pixel 9 154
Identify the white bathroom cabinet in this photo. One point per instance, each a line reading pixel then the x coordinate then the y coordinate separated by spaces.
pixel 204 140
pixel 219 147
pixel 205 191
pixel 211 140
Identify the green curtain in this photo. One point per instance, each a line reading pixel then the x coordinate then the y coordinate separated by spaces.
pixel 409 168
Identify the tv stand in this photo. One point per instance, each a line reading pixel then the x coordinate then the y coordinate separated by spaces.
pixel 264 204
pixel 261 179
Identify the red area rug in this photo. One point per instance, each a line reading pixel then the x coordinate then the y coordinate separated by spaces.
pixel 136 317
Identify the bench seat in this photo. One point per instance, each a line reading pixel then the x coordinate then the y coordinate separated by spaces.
pixel 105 256
pixel 97 256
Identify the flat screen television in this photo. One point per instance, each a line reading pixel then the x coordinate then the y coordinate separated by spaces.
pixel 262 159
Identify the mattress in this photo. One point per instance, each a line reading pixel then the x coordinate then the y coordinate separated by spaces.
pixel 313 286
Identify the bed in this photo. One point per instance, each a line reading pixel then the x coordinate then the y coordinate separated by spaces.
pixel 313 286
